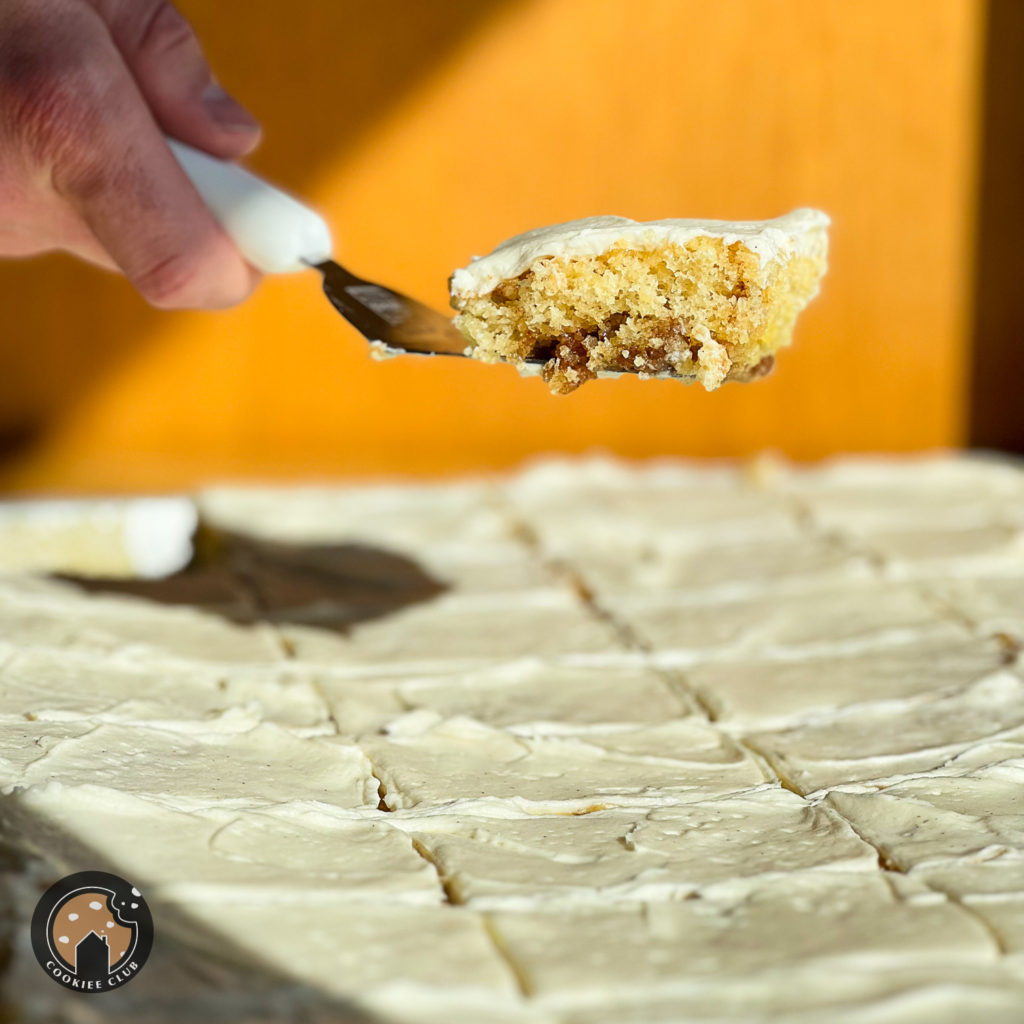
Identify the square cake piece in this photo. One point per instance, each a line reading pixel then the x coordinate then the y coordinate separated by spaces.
pixel 700 300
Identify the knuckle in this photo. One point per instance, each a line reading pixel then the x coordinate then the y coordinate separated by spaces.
pixel 187 280
pixel 161 27
pixel 50 107
pixel 168 282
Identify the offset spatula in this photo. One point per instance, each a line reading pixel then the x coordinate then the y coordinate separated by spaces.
pixel 278 234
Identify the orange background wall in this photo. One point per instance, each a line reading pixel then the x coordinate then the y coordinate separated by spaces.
pixel 427 132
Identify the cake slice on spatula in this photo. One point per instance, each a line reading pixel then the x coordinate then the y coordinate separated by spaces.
pixel 709 301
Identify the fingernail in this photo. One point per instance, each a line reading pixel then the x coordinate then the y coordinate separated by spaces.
pixel 227 111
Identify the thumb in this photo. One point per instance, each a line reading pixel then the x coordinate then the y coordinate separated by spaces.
pixel 167 62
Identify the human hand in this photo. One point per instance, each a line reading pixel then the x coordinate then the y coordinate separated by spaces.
pixel 87 90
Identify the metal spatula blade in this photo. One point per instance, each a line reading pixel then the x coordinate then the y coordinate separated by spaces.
pixel 381 315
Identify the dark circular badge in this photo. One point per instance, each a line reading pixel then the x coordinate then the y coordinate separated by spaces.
pixel 92 931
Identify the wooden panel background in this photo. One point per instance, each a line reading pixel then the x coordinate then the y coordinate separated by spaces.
pixel 995 405
pixel 428 132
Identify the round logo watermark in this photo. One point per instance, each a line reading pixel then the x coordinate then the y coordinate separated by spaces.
pixel 92 931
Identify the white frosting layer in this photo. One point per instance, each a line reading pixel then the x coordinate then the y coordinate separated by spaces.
pixel 834 920
pixel 769 239
pixel 261 767
pixel 626 855
pixel 462 759
pixel 291 852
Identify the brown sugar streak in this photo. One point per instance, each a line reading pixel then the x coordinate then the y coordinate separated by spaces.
pixel 666 346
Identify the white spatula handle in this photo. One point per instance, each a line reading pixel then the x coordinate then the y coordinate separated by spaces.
pixel 272 230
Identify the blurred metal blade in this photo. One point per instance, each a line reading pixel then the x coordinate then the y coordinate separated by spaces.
pixel 380 314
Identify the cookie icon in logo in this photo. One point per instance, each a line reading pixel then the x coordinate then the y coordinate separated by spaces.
pixel 92 931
